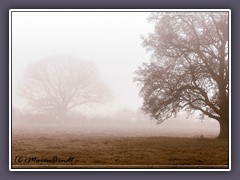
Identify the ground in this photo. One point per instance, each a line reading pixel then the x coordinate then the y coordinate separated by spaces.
pixel 71 149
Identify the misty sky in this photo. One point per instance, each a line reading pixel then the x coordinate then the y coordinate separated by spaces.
pixel 111 40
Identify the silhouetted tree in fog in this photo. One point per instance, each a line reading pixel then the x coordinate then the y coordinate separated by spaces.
pixel 189 66
pixel 59 84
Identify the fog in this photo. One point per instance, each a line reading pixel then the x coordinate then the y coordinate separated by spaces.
pixel 110 42
pixel 124 123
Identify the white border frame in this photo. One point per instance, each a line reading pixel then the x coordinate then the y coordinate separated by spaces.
pixel 119 10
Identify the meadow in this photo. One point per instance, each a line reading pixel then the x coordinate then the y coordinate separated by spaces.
pixel 69 148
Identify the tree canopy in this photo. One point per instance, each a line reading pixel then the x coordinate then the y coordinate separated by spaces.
pixel 189 66
pixel 59 84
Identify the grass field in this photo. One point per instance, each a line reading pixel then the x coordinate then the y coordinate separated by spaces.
pixel 66 149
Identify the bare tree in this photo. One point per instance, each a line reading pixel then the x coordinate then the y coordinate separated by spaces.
pixel 189 66
pixel 59 84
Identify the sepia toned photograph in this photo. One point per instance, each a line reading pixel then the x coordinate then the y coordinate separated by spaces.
pixel 119 90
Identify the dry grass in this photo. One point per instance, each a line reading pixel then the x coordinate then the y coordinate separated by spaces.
pixel 118 151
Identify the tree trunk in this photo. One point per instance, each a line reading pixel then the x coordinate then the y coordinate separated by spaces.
pixel 63 115
pixel 224 104
pixel 223 134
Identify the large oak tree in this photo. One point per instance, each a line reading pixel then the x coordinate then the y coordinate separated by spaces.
pixel 58 84
pixel 189 66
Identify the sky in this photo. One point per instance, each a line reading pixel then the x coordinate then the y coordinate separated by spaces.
pixel 111 40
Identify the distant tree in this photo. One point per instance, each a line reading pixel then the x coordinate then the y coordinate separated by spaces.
pixel 189 66
pixel 59 84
